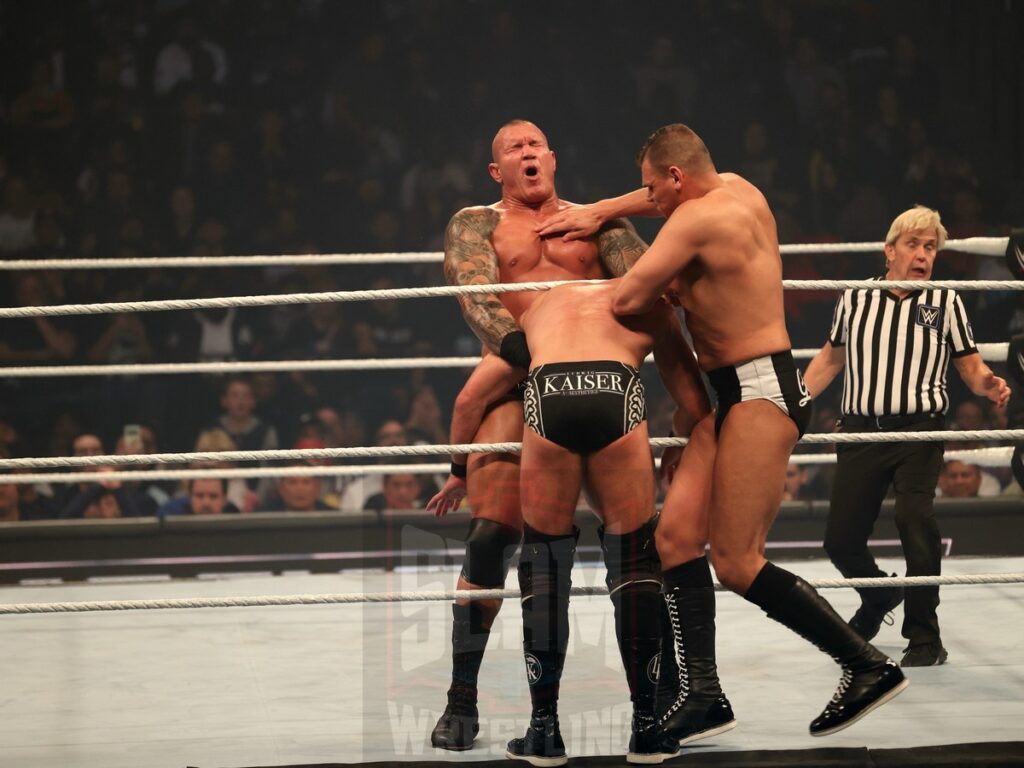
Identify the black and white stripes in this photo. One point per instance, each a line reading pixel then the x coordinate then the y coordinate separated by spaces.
pixel 898 350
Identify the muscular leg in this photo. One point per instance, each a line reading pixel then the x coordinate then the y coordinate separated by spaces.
pixel 620 479
pixel 690 699
pixel 753 450
pixel 493 497
pixel 549 489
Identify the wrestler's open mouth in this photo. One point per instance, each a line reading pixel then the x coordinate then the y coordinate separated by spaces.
pixel 917 272
pixel 531 171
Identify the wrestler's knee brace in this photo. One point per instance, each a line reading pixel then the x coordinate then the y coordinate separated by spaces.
pixel 545 577
pixel 634 584
pixel 490 547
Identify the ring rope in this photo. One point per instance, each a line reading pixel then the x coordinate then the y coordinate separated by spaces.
pixel 292 454
pixel 261 601
pixel 993 352
pixel 982 457
pixel 982 246
pixel 322 297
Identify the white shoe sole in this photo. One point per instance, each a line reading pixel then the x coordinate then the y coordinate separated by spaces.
pixel 537 760
pixel 708 733
pixel 891 694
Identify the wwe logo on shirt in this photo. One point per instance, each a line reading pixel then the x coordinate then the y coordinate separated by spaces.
pixel 928 316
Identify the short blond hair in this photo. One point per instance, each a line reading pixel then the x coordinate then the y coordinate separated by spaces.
pixel 918 217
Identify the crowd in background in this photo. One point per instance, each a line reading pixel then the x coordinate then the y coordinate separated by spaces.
pixel 169 128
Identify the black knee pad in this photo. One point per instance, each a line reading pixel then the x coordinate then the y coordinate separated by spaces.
pixel 490 547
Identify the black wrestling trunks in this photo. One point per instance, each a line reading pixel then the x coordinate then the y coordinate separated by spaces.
pixel 772 377
pixel 584 406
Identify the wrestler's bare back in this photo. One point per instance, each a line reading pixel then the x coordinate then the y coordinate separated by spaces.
pixel 523 256
pixel 732 288
pixel 585 328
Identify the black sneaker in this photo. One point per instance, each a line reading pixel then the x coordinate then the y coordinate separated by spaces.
pixel 649 744
pixel 869 617
pixel 695 718
pixel 925 655
pixel 858 694
pixel 542 746
pixel 458 726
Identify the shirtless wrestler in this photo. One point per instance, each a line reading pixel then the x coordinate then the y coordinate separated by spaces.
pixel 585 409
pixel 718 254
pixel 499 244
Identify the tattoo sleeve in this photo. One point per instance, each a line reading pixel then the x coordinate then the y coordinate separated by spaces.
pixel 470 259
pixel 619 246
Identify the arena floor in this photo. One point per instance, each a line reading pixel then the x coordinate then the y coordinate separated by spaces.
pixel 339 684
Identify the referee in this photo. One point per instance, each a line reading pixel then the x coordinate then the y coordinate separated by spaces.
pixel 896 346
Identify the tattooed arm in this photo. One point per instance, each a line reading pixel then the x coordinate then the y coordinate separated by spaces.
pixel 619 246
pixel 469 259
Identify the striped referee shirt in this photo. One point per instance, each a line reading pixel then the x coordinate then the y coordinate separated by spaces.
pixel 898 350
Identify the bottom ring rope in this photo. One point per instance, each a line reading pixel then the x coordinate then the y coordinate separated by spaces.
pixel 261 601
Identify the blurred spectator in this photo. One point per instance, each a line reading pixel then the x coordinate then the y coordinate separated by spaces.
pixel 217 440
pixel 102 499
pixel 390 432
pixel 959 480
pixel 425 423
pixel 87 445
pixel 295 493
pixel 206 496
pixel 399 491
pixel 35 339
pixel 796 487
pixel 17 217
pixel 189 56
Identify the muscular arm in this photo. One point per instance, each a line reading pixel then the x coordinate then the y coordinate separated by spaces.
pixel 470 259
pixel 581 221
pixel 619 246
pixel 677 367
pixel 981 380
pixel 825 366
pixel 675 246
pixel 491 379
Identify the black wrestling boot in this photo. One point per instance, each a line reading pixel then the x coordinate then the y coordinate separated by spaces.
pixel 542 745
pixel 460 722
pixel 649 744
pixel 870 678
pixel 700 709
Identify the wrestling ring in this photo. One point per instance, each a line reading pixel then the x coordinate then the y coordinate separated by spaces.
pixel 365 683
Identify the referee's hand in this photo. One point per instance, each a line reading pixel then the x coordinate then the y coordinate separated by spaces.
pixel 996 389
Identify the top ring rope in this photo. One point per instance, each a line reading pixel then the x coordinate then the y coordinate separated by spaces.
pixel 268 300
pixel 982 246
pixel 303 454
pixel 993 352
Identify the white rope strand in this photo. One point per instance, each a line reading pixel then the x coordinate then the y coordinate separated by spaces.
pixel 982 246
pixel 262 601
pixel 305 454
pixel 991 352
pixel 982 457
pixel 268 300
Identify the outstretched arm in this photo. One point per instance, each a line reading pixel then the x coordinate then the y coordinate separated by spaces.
pixel 579 221
pixel 619 246
pixel 470 259
pixel 491 379
pixel 981 380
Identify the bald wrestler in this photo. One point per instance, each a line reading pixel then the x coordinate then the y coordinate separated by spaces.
pixel 498 243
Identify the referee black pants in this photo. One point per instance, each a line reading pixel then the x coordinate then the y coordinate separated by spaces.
pixel 864 474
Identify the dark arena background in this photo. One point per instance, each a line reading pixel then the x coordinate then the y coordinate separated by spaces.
pixel 336 139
